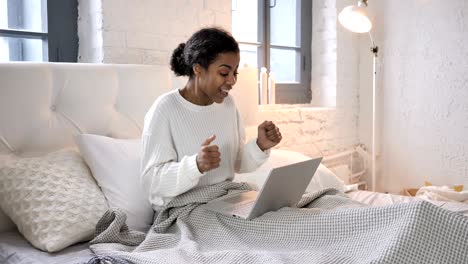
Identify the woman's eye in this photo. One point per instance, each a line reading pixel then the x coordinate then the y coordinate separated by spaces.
pixel 227 74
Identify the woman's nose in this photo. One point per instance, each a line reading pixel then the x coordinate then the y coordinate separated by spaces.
pixel 231 80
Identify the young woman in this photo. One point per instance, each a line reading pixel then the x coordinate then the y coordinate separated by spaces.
pixel 194 136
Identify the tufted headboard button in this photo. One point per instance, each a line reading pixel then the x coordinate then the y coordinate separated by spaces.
pixel 53 108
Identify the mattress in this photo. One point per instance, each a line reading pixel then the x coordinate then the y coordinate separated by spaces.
pixel 382 199
pixel 15 249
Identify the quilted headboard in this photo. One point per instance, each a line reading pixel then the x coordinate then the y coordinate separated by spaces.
pixel 43 105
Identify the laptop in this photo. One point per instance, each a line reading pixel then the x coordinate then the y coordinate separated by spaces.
pixel 284 186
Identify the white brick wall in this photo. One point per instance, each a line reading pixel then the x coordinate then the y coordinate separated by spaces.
pixel 90 31
pixel 324 56
pixel 147 31
pixel 422 92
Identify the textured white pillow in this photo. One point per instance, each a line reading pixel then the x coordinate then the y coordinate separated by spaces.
pixel 115 164
pixel 52 199
pixel 323 178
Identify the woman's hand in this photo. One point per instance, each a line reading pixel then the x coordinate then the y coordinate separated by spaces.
pixel 209 156
pixel 269 135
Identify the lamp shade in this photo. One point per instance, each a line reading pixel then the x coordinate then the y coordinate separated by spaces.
pixel 354 18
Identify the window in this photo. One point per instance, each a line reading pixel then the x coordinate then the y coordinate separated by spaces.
pixel 276 34
pixel 38 30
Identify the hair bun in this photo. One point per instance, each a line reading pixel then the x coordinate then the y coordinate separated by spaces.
pixel 178 65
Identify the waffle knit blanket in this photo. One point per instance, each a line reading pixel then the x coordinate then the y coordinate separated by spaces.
pixel 327 227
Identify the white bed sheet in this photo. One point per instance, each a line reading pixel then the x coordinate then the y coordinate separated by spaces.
pixel 382 199
pixel 15 249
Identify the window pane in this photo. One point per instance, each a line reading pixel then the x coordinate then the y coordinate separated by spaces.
pixel 285 65
pixel 248 55
pixel 22 49
pixel 4 51
pixel 3 14
pixel 285 23
pixel 27 15
pixel 244 20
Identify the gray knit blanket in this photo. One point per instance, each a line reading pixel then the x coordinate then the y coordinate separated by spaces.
pixel 327 227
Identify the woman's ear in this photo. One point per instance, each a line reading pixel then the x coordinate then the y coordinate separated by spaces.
pixel 197 69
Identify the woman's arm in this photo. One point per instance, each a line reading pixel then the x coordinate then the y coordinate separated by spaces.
pixel 249 156
pixel 162 175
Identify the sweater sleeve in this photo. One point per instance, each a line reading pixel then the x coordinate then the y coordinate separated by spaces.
pixel 249 156
pixel 163 176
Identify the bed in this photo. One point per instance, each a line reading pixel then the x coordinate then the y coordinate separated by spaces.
pixel 45 106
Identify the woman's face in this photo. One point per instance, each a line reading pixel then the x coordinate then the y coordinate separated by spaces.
pixel 221 75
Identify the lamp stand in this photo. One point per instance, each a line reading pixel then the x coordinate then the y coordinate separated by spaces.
pixel 375 50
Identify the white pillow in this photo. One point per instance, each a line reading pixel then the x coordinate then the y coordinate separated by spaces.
pixel 115 164
pixel 323 178
pixel 53 199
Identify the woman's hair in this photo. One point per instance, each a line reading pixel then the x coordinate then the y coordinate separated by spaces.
pixel 202 48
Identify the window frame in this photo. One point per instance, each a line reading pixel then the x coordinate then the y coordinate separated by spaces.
pixel 286 93
pixel 60 36
pixel 62 22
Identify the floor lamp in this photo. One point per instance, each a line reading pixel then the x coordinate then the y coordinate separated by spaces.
pixel 354 18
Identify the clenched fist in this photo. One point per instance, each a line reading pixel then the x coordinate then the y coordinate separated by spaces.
pixel 269 135
pixel 209 156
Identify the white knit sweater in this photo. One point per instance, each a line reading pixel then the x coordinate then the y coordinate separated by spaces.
pixel 172 136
